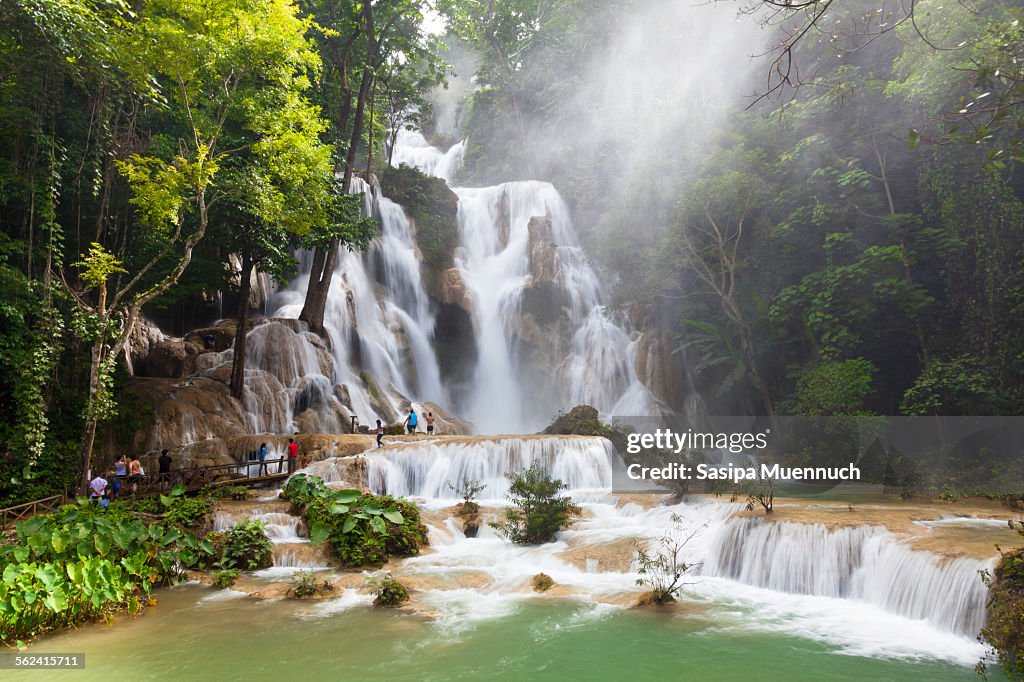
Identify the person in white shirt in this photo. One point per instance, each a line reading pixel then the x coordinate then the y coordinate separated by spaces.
pixel 98 491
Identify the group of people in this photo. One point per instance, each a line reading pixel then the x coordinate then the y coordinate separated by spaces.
pixel 410 424
pixel 127 472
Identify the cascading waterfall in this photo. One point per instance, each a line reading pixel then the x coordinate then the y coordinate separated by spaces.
pixel 424 470
pixel 864 562
pixel 380 320
pixel 494 260
pixel 378 317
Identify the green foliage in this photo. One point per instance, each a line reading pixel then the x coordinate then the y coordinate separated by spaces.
pixel 363 529
pixel 189 512
pixel 389 592
pixel 247 546
pixel 434 209
pixel 957 386
pixel 305 584
pixel 1004 629
pixel 834 388
pixel 225 578
pixel 82 563
pixel 228 492
pixel 538 512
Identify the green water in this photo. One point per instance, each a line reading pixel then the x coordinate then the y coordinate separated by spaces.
pixel 188 638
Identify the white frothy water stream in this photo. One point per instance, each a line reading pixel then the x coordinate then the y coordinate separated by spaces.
pixel 494 262
pixel 859 589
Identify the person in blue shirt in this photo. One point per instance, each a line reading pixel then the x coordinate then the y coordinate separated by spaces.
pixel 263 460
pixel 410 421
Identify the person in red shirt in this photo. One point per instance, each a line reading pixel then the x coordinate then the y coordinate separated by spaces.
pixel 293 455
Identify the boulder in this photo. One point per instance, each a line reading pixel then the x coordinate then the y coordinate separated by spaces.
pixel 453 290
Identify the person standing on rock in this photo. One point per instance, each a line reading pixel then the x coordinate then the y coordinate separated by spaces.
pixel 165 469
pixel 134 474
pixel 430 423
pixel 410 422
pixel 263 460
pixel 293 455
pixel 380 434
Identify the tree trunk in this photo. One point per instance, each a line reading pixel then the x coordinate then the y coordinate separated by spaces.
pixel 324 259
pixel 238 361
pixel 89 430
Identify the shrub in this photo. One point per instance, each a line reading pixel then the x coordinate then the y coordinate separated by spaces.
pixel 305 584
pixel 247 546
pixel 364 529
pixel 389 591
pixel 542 582
pixel 189 512
pixel 468 489
pixel 226 577
pixel 538 512
pixel 226 492
pixel 1004 629
pixel 664 571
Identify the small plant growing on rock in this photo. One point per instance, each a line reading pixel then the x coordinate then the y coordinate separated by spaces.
pixel 225 577
pixel 389 591
pixel 305 584
pixel 468 489
pixel 758 493
pixel 542 582
pixel 538 511
pixel 664 571
pixel 246 545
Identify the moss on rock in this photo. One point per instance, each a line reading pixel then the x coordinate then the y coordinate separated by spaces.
pixel 433 208
pixel 1005 627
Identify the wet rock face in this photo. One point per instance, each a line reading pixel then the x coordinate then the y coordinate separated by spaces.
pixel 453 290
pixel 659 368
pixel 543 252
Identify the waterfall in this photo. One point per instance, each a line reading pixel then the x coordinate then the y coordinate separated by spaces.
pixel 865 563
pixel 494 260
pixel 378 318
pixel 425 470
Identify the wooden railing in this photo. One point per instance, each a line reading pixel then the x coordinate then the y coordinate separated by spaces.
pixel 246 473
pixel 11 515
pixel 193 479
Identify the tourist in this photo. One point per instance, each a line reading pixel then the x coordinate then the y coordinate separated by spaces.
pixel 380 434
pixel 115 485
pixel 263 460
pixel 98 491
pixel 430 423
pixel 410 421
pixel 165 469
pixel 293 455
pixel 134 474
pixel 120 470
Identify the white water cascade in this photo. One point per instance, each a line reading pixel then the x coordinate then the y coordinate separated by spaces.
pixel 425 470
pixel 378 318
pixel 805 572
pixel 494 260
pixel 865 563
